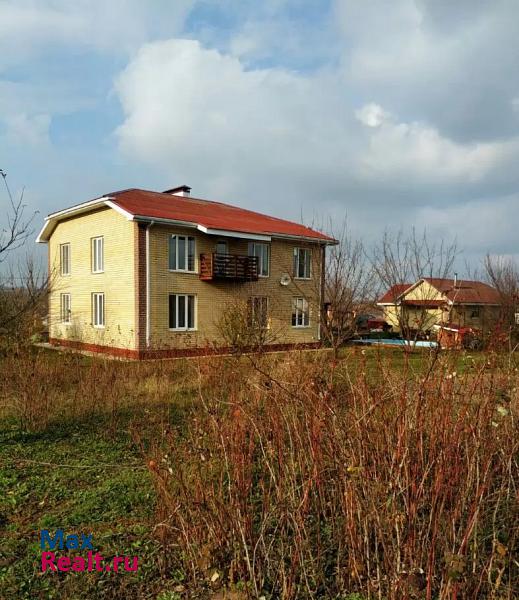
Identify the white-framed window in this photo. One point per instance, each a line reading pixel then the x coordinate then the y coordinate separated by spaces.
pixel 259 311
pixel 64 259
pixel 300 313
pixel 262 251
pixel 302 263
pixel 182 253
pixel 98 309
pixel 182 312
pixel 98 255
pixel 65 308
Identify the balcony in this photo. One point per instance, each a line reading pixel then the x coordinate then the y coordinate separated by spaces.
pixel 228 267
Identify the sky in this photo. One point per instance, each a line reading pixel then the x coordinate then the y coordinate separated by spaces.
pixel 393 113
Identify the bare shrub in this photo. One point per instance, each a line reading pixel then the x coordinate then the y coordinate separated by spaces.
pixel 318 481
pixel 245 326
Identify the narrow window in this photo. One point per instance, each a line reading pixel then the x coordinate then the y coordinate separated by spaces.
pixel 64 259
pixel 190 253
pixel 190 312
pixel 258 312
pixel 173 253
pixel 98 309
pixel 182 253
pixel 98 255
pixel 262 251
pixel 302 263
pixel 181 311
pixel 172 311
pixel 300 313
pixel 65 311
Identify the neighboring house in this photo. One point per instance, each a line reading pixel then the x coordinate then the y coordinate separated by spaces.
pixel 430 302
pixel 142 274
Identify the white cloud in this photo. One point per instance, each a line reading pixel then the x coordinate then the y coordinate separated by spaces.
pixel 372 115
pixel 449 63
pixel 27 26
pixel 26 130
pixel 201 114
pixel 480 226
pixel 403 152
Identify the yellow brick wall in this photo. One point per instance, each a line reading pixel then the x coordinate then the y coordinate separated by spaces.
pixel 213 298
pixel 117 281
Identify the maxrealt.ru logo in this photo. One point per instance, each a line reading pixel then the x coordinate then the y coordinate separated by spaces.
pixel 91 561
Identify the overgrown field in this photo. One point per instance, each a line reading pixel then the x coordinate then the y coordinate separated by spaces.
pixel 380 475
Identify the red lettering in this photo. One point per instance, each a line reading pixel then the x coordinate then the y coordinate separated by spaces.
pixel 117 561
pixel 78 564
pixel 127 566
pixel 47 561
pixel 63 563
pixel 98 558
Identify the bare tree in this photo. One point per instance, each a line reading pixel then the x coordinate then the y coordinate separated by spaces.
pixel 403 259
pixel 503 274
pixel 349 286
pixel 22 290
pixel 17 227
pixel 22 298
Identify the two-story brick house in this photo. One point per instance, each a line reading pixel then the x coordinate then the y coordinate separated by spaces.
pixel 141 274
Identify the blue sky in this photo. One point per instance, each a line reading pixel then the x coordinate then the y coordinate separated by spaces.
pixel 395 113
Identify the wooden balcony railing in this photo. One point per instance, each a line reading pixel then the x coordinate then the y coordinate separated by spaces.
pixel 230 267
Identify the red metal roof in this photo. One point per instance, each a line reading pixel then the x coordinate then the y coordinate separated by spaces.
pixel 213 215
pixel 465 292
pixel 394 292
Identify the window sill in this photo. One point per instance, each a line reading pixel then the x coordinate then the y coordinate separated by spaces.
pixel 98 326
pixel 301 326
pixel 97 272
pixel 183 330
pixel 64 274
pixel 183 271
pixel 303 278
